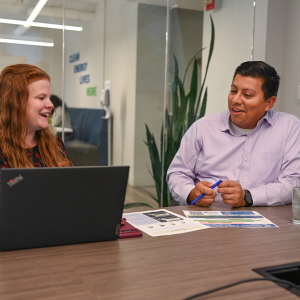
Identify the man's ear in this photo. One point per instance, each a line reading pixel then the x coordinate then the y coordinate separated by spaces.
pixel 270 103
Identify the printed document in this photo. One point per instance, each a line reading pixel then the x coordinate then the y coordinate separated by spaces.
pixel 249 219
pixel 162 222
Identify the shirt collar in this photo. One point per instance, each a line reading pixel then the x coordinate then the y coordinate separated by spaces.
pixel 225 126
pixel 268 117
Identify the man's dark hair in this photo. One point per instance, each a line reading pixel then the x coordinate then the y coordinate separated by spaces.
pixel 260 69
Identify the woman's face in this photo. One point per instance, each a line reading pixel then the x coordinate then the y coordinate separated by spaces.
pixel 39 105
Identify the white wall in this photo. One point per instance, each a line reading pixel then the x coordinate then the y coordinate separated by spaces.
pixel 289 56
pixel 276 42
pixel 260 30
pixel 275 34
pixel 233 45
pixel 120 68
pixel 269 31
pixel 89 43
pixel 150 70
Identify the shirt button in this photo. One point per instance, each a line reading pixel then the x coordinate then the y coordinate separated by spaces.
pixel 246 159
pixel 243 181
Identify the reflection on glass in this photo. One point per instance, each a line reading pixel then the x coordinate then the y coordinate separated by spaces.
pixel 192 30
pixel 33 45
pixel 84 69
pixel 115 69
pixel 121 49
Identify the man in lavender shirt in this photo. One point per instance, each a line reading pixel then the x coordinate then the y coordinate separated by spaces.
pixel 254 150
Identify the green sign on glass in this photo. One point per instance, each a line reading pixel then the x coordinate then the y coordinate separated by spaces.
pixel 91 91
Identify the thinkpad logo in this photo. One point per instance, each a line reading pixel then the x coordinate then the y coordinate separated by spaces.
pixel 14 181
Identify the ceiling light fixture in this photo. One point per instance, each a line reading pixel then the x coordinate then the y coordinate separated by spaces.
pixel 44 25
pixel 22 42
pixel 35 12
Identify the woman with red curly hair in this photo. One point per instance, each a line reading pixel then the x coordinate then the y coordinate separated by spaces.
pixel 26 140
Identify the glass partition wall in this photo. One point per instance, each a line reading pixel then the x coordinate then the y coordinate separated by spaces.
pixel 36 44
pixel 114 66
pixel 114 87
pixel 205 47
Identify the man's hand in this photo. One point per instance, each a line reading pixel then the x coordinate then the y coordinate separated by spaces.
pixel 200 188
pixel 232 193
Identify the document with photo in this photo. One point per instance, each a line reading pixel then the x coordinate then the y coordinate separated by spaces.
pixel 162 222
pixel 249 219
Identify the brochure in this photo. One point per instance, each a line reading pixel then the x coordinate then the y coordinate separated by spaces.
pixel 249 219
pixel 162 222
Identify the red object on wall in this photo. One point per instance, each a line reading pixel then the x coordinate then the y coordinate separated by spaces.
pixel 210 6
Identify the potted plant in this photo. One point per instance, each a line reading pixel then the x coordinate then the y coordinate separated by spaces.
pixel 186 109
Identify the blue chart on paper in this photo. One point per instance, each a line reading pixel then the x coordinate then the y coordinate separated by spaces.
pixel 250 219
pixel 234 213
pixel 241 225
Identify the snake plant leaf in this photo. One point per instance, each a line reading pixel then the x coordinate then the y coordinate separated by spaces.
pixel 167 133
pixel 211 49
pixel 157 187
pixel 177 143
pixel 157 200
pixel 154 157
pixel 181 92
pixel 162 138
pixel 175 98
pixel 184 112
pixel 193 94
pixel 136 204
pixel 149 171
pixel 203 105
pixel 190 62
pixel 181 116
pixel 169 152
pixel 169 142
pixel 183 101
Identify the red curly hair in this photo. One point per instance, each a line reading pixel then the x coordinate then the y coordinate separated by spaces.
pixel 14 82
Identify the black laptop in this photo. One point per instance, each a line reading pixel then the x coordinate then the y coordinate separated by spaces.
pixel 43 207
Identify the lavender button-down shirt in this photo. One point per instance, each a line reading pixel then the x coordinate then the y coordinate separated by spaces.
pixel 263 162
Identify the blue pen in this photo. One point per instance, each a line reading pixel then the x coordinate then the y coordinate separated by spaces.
pixel 202 195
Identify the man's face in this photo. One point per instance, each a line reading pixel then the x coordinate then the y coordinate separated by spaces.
pixel 246 102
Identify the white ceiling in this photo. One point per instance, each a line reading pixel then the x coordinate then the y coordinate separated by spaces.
pixel 186 4
pixel 82 9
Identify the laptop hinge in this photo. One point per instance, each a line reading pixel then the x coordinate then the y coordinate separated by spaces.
pixel 118 229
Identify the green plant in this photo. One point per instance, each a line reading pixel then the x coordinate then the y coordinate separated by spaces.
pixel 187 108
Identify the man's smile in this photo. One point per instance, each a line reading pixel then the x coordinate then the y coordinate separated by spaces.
pixel 236 111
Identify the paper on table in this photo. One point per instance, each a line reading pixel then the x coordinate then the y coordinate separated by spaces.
pixel 162 222
pixel 249 219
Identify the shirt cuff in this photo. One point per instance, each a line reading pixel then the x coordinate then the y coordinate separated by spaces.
pixel 260 197
pixel 185 191
pixel 257 198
